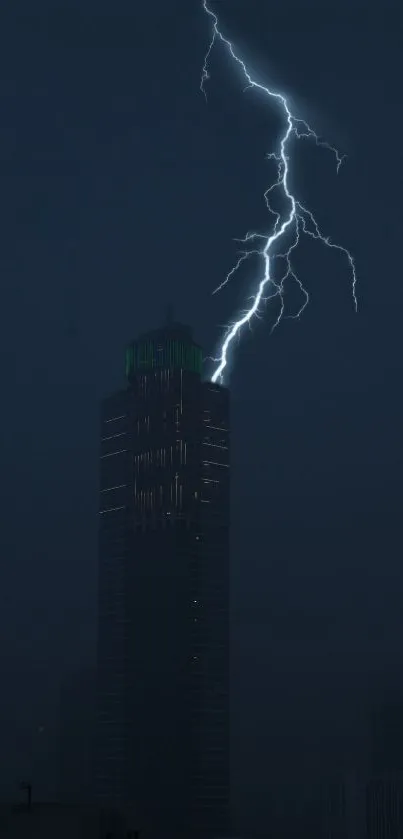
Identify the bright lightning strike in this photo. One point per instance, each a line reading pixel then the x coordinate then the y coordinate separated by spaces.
pixel 298 220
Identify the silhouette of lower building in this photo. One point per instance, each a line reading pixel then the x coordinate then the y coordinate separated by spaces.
pixel 364 808
pixel 163 631
pixel 43 820
pixel 384 807
pixel 387 736
pixel 74 748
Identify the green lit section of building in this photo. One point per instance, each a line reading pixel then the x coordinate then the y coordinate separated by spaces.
pixel 174 350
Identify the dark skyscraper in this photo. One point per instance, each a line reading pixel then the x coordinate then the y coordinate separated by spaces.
pixel 163 641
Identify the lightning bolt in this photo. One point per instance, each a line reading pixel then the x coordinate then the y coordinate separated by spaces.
pixel 297 221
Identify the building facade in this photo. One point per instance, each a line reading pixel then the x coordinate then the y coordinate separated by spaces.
pixel 163 631
pixel 361 807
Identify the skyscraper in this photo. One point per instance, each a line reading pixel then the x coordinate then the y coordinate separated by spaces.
pixel 163 634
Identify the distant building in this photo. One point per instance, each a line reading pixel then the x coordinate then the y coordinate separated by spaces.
pixel 344 808
pixel 334 816
pixel 384 789
pixel 364 808
pixel 58 821
pixel 387 738
pixel 74 747
pixel 163 639
pixel 384 807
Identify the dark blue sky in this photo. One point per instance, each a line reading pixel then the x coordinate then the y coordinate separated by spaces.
pixel 121 189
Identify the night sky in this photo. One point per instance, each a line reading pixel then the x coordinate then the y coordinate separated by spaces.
pixel 122 190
